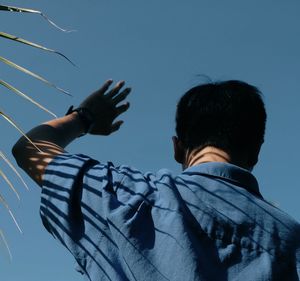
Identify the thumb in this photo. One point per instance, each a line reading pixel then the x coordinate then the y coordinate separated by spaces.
pixel 116 126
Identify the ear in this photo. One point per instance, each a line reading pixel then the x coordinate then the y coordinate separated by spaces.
pixel 178 150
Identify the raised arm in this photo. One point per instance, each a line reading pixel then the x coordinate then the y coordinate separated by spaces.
pixel 96 115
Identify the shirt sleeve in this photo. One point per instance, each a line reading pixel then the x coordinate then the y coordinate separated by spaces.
pixel 94 209
pixel 72 200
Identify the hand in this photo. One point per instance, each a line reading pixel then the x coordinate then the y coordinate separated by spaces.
pixel 105 108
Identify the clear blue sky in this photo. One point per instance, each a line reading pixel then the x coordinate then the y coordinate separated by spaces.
pixel 160 48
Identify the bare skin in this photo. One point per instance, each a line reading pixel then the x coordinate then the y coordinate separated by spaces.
pixel 53 136
pixel 188 158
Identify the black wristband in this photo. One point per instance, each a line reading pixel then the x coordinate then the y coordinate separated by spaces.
pixel 85 116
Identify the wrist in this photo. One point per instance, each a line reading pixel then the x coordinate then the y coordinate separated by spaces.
pixel 85 116
pixel 61 131
pixel 69 125
pixel 77 124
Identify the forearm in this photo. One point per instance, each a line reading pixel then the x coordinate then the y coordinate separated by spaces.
pixel 60 132
pixel 51 138
pixel 100 111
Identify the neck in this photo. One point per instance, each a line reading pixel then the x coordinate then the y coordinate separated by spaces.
pixel 211 154
pixel 207 154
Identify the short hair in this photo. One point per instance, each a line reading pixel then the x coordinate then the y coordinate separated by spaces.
pixel 229 115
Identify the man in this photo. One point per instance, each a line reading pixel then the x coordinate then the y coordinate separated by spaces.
pixel 208 223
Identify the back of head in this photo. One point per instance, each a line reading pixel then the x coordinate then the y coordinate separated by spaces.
pixel 228 115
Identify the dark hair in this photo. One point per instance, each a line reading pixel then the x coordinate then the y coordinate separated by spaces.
pixel 229 115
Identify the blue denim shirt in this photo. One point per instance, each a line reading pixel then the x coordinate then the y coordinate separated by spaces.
pixel 208 223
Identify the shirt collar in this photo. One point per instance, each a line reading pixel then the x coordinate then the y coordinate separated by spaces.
pixel 229 172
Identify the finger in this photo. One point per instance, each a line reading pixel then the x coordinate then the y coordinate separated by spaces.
pixel 115 90
pixel 121 96
pixel 122 108
pixel 104 87
pixel 116 126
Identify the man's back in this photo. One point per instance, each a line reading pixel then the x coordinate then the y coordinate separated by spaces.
pixel 208 223
pixel 248 238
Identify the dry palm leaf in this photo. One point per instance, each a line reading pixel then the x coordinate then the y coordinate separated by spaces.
pixel 5 159
pixel 3 175
pixel 10 212
pixel 13 123
pixel 6 244
pixel 31 11
pixel 18 92
pixel 36 76
pixel 32 44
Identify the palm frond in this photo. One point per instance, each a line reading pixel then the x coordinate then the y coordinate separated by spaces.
pixel 36 76
pixel 5 244
pixel 3 175
pixel 13 9
pixel 5 159
pixel 13 123
pixel 26 10
pixel 32 44
pixel 18 92
pixel 10 212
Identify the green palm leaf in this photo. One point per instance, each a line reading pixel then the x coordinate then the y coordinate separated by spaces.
pixel 25 10
pixel 36 76
pixel 18 92
pixel 32 44
pixel 5 159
